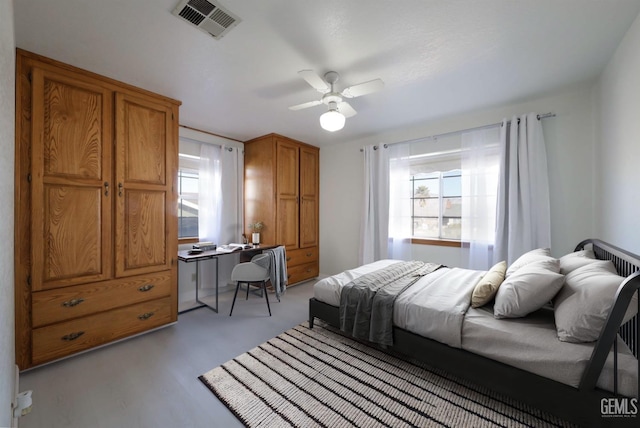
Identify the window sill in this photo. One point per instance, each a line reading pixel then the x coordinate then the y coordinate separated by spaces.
pixel 187 240
pixel 437 242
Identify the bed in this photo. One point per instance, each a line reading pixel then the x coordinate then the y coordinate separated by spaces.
pixel 590 381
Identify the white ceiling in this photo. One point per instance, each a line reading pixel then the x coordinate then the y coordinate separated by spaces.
pixel 436 57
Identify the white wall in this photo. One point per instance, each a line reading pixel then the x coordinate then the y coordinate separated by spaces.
pixel 618 142
pixel 569 139
pixel 7 144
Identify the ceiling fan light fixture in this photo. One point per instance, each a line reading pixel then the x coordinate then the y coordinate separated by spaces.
pixel 332 120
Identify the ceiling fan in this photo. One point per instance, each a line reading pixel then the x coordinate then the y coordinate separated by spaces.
pixel 339 110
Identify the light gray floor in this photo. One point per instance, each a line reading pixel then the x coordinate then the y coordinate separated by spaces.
pixel 152 380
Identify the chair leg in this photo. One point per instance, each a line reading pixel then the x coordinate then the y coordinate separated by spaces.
pixel 234 297
pixel 248 287
pixel 266 295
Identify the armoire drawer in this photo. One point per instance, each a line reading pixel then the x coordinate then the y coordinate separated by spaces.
pixel 303 272
pixel 67 303
pixel 301 256
pixel 65 338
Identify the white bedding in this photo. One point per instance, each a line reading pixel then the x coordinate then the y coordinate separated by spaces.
pixel 528 343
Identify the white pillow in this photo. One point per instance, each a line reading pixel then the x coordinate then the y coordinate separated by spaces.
pixel 583 305
pixel 573 261
pixel 526 290
pixel 534 256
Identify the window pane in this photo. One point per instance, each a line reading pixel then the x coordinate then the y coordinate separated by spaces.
pixel 423 207
pixel 451 228
pixel 426 187
pixel 189 184
pixel 452 186
pixel 187 218
pixel 452 207
pixel 426 228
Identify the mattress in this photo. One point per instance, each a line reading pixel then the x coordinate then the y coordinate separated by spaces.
pixel 529 343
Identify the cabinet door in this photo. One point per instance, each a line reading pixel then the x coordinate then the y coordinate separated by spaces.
pixel 146 153
pixel 309 173
pixel 71 182
pixel 287 194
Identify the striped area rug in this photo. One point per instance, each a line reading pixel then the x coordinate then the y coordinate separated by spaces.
pixel 317 377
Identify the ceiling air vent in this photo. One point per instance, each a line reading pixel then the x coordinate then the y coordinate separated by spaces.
pixel 208 16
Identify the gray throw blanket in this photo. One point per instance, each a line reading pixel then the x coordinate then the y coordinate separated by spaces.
pixel 366 303
pixel 278 271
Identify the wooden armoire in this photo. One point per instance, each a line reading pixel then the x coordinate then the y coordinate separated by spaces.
pixel 95 210
pixel 281 189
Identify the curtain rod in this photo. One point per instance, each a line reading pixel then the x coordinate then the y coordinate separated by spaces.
pixel 476 128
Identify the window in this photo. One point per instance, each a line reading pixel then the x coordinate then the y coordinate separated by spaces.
pixel 187 203
pixel 437 205
pixel 444 189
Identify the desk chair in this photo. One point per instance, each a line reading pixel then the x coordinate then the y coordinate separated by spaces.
pixel 251 273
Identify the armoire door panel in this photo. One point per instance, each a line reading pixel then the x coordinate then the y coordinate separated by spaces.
pixel 72 244
pixel 143 128
pixel 308 222
pixel 309 171
pixel 71 164
pixel 287 221
pixel 141 244
pixel 287 172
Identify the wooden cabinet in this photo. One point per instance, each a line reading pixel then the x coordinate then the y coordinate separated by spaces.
pixel 282 191
pixel 96 214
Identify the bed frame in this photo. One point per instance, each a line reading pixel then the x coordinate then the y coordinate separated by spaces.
pixel 584 405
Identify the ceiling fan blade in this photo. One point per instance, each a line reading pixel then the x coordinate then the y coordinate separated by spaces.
pixel 314 80
pixel 305 105
pixel 363 88
pixel 346 109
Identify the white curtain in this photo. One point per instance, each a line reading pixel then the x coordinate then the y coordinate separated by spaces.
pixel 400 209
pixel 209 194
pixel 232 194
pixel 480 168
pixel 523 213
pixel 374 231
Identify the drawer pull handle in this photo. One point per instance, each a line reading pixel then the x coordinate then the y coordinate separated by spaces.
pixel 146 287
pixel 308 270
pixel 73 302
pixel 288 258
pixel 145 316
pixel 309 254
pixel 72 336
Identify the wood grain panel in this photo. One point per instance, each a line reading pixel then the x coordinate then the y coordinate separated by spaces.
pixel 144 230
pixel 72 129
pixel 309 172
pixel 287 222
pixel 287 174
pixel 81 300
pixel 57 340
pixel 72 239
pixel 144 129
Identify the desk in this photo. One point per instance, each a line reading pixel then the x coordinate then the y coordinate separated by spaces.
pixel 245 256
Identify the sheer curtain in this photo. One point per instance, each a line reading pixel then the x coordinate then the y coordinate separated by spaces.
pixel 232 194
pixel 374 231
pixel 523 213
pixel 480 169
pixel 210 194
pixel 400 210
